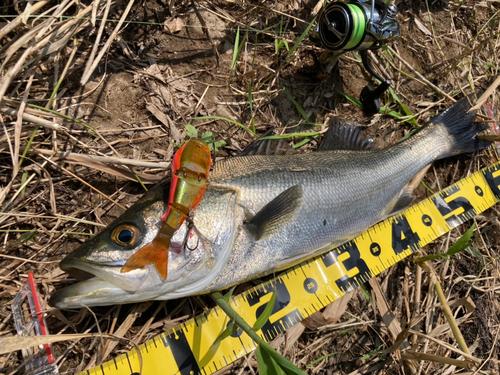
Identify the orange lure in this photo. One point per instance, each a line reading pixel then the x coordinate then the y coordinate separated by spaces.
pixel 190 169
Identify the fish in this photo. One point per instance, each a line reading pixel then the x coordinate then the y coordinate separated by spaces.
pixel 190 170
pixel 263 212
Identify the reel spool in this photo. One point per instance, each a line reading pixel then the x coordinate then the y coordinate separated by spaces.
pixel 360 25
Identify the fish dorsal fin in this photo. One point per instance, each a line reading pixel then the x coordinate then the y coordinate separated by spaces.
pixel 269 146
pixel 345 137
pixel 276 213
pixel 404 199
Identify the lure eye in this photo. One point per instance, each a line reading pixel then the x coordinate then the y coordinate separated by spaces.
pixel 126 235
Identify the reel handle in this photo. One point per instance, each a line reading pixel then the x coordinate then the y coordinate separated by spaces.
pixel 370 97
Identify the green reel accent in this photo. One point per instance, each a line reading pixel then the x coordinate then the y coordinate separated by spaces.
pixel 359 26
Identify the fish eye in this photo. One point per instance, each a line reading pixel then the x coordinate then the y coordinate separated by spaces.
pixel 126 235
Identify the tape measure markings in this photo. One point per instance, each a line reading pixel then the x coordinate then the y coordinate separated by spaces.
pixel 188 349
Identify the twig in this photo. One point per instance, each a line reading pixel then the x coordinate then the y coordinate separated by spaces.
pixel 55 217
pixel 84 182
pixel 465 53
pixel 104 49
pixel 34 119
pixel 28 260
pixel 435 358
pixel 486 94
pixel 489 354
pixel 18 127
pixel 18 20
pixel 420 76
pixel 417 296
pixel 446 345
pixel 63 75
pixel 3 194
pixel 99 33
pixel 446 309
pixel 65 31
pixel 104 159
pixel 7 79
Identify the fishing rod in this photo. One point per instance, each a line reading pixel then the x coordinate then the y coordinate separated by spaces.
pixel 360 25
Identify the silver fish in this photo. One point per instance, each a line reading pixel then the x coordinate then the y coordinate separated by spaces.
pixel 263 213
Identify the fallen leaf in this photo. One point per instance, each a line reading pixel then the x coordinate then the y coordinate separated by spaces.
pixel 174 25
pixel 331 315
pixel 422 27
pixel 175 134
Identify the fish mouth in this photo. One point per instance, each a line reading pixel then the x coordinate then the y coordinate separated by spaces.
pixel 98 284
pixel 111 273
pixel 91 292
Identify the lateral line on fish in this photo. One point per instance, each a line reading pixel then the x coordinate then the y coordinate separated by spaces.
pixel 187 348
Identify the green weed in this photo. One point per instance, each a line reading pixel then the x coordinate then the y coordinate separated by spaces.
pixel 270 362
pixel 462 243
pixel 207 137
pixel 223 119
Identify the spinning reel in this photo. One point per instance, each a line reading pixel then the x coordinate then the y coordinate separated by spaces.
pixel 360 25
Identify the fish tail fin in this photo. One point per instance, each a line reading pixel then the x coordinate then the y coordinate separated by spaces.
pixel 153 253
pixel 462 130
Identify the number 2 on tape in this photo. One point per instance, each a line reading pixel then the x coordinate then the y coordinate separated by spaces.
pixel 271 329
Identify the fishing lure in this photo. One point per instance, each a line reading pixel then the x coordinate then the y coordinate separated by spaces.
pixel 190 169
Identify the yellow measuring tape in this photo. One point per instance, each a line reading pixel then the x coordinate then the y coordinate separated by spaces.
pixel 188 349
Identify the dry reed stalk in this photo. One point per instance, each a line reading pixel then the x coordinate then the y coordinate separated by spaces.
pixel 99 33
pixel 18 127
pixel 93 66
pixel 411 355
pixel 421 77
pixel 446 308
pixel 85 183
pixel 104 159
pixel 11 26
pixel 34 119
pixel 486 94
pixel 7 79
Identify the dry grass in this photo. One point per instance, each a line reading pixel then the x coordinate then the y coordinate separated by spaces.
pixel 90 112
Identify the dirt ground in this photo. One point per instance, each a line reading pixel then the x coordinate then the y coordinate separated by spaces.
pixel 163 71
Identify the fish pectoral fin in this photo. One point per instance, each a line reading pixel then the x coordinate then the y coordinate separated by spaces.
pixel 404 199
pixel 345 137
pixel 277 212
pixel 151 253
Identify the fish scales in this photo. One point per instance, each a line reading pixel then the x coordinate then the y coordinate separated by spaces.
pixel 344 193
pixel 263 213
